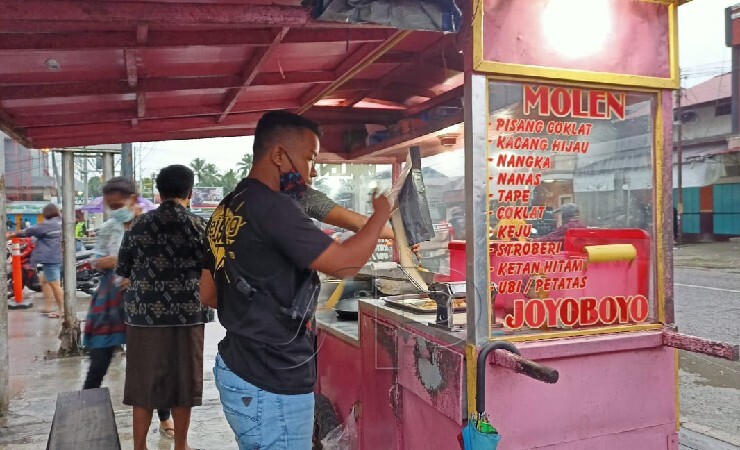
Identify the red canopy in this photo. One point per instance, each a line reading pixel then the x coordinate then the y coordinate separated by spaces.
pixel 78 73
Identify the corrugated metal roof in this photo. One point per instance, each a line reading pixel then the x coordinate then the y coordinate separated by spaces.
pixel 717 88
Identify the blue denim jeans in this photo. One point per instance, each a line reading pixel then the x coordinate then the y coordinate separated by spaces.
pixel 262 420
pixel 52 272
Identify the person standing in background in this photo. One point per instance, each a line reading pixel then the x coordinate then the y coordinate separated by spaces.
pixel 48 253
pixel 160 260
pixel 105 329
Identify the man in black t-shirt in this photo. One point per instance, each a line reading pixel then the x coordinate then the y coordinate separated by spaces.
pixel 262 254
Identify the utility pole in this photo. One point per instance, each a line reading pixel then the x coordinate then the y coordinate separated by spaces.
pixel 57 180
pixel 85 188
pixel 127 161
pixel 4 360
pixel 70 334
pixel 679 216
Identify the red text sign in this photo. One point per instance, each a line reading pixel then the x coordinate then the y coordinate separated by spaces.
pixel 573 102
pixel 585 311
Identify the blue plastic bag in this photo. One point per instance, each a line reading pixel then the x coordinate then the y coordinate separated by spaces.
pixel 475 440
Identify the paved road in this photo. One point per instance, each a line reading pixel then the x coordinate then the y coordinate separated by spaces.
pixel 708 305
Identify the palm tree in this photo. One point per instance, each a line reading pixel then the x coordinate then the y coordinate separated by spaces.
pixel 245 164
pixel 230 180
pixel 210 176
pixel 197 165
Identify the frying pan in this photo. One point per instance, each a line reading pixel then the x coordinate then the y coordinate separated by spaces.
pixel 348 307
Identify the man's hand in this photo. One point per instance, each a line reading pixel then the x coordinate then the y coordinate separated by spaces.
pixel 125 283
pixel 381 204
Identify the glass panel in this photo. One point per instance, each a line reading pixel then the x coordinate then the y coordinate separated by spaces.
pixel 351 186
pixel 570 206
pixel 444 175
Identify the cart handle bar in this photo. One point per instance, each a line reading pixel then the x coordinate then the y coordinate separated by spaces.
pixel 507 355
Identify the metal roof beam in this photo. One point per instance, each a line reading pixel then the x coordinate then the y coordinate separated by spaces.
pixel 452 94
pixel 402 71
pixel 146 125
pixel 133 136
pixel 39 91
pixel 153 13
pixel 251 70
pixel 329 114
pixel 101 40
pixel 50 120
pixel 351 66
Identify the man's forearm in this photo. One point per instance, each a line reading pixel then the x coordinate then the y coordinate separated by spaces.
pixel 347 258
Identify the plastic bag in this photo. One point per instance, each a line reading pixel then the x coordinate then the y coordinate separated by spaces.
pixel 343 437
pixel 415 209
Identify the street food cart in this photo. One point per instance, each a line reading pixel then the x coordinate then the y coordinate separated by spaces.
pixel 565 343
pixel 565 103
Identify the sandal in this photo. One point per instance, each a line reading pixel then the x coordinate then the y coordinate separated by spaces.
pixel 53 315
pixel 169 433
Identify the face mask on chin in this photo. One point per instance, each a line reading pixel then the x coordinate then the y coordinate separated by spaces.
pixel 292 182
pixel 122 215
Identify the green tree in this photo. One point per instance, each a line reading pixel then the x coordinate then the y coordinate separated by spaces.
pixel 210 176
pixel 230 180
pixel 95 187
pixel 245 164
pixel 198 165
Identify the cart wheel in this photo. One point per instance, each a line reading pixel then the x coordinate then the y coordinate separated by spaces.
pixel 325 419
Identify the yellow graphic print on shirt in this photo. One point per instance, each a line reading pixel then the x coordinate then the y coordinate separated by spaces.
pixel 224 226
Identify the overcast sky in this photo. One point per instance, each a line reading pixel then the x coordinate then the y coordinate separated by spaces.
pixel 702 55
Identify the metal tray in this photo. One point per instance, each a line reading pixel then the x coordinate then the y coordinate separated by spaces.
pixel 413 302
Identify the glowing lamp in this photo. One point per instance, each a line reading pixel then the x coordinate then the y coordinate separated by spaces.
pixel 577 28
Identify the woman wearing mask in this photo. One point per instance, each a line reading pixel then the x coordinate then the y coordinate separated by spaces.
pixel 105 329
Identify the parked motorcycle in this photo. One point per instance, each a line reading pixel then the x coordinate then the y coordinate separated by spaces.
pixel 88 278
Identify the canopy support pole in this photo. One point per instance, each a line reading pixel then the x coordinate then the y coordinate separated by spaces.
pixel 108 173
pixel 70 335
pixel 4 360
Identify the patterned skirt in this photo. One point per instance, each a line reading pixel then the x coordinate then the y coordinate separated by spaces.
pixel 104 326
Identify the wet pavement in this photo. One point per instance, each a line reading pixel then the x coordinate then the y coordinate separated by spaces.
pixel 707 305
pixel 37 376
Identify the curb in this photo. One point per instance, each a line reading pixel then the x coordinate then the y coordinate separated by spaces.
pixel 712 433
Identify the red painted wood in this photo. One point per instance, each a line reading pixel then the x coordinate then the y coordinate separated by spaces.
pixel 159 85
pixel 453 94
pixel 699 345
pixel 131 69
pixel 330 114
pixel 123 63
pixel 244 120
pixel 348 65
pixel 251 70
pixel 154 13
pixel 33 119
pixel 133 136
pixel 140 105
pixel 400 73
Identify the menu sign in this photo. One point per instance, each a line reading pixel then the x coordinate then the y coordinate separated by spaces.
pixel 552 121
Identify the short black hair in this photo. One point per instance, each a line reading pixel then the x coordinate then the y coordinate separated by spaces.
pixel 271 123
pixel 120 185
pixel 175 181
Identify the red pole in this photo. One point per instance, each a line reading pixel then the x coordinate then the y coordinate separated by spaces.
pixel 17 270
